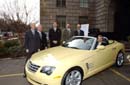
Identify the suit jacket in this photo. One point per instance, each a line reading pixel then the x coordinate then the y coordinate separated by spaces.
pixel 32 42
pixel 43 41
pixel 54 35
pixel 66 35
pixel 77 34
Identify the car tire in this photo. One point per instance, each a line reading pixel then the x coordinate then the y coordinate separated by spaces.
pixel 120 59
pixel 73 77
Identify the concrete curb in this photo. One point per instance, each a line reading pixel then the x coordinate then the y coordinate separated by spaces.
pixel 11 58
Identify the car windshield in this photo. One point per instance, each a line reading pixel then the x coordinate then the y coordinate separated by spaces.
pixel 82 43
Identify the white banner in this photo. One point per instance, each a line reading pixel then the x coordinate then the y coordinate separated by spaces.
pixel 85 28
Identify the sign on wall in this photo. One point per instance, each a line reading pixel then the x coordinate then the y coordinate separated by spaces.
pixel 85 28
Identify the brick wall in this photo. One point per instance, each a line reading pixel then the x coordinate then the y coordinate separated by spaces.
pixel 104 15
pixel 72 11
pixel 97 12
pixel 100 15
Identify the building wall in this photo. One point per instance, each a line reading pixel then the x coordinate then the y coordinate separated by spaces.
pixel 72 11
pixel 104 15
pixel 99 13
pixel 92 14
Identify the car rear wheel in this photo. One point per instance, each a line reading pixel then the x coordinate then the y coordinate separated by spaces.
pixel 120 59
pixel 73 77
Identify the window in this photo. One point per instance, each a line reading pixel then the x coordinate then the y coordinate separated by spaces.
pixel 83 19
pixel 61 20
pixel 79 43
pixel 61 3
pixel 84 3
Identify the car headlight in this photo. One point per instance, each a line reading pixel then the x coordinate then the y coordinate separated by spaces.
pixel 48 70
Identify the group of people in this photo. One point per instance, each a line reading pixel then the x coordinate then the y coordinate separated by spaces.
pixel 35 38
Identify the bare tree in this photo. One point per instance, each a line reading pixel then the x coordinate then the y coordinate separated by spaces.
pixel 18 10
pixel 16 16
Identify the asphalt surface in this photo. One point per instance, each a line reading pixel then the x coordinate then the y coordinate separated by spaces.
pixel 11 73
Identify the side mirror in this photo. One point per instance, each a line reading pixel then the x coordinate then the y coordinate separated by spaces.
pixel 101 47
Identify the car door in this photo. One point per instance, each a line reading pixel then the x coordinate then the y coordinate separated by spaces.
pixel 112 53
pixel 100 59
pixel 107 54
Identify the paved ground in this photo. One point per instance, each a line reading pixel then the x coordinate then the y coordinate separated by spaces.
pixel 11 71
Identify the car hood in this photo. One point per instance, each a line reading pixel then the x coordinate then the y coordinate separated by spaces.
pixel 59 54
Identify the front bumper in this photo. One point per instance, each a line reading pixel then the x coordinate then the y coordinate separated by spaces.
pixel 39 78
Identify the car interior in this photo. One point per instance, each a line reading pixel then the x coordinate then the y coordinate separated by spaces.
pixel 105 41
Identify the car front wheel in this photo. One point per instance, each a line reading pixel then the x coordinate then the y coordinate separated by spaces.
pixel 73 77
pixel 120 59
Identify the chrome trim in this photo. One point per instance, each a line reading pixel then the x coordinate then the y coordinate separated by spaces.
pixel 33 67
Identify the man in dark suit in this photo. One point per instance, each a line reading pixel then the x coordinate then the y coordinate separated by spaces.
pixel 32 42
pixel 55 35
pixel 78 32
pixel 42 36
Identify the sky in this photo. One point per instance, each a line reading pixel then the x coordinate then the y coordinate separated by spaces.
pixel 32 5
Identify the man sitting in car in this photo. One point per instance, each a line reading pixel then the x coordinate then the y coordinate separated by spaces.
pixel 101 41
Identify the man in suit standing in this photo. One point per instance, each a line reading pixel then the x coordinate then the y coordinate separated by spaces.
pixel 55 35
pixel 32 42
pixel 67 33
pixel 78 32
pixel 42 37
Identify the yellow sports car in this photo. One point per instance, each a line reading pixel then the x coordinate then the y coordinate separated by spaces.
pixel 77 59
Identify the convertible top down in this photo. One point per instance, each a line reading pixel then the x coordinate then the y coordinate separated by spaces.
pixel 74 61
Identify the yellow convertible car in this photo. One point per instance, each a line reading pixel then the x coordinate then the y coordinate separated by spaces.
pixel 74 61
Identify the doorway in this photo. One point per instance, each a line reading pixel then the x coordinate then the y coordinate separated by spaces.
pixel 122 19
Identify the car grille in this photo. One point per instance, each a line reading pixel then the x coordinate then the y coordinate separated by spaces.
pixel 32 67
